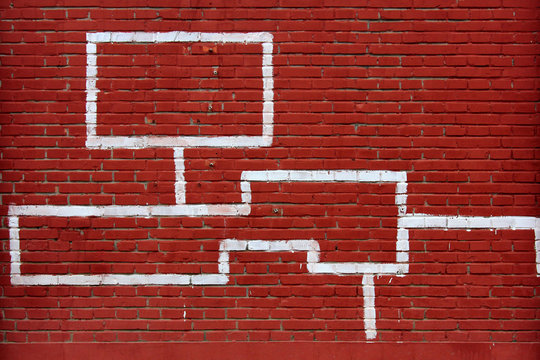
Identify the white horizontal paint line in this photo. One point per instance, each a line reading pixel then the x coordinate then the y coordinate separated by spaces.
pixel 189 210
pixel 424 221
pixel 94 141
pixel 326 176
pixel 178 36
pixel 468 222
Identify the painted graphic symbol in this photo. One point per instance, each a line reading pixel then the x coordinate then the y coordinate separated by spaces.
pixel 368 270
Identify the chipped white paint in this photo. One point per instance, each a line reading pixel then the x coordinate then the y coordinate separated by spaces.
pixel 94 141
pixel 424 221
pixel 368 292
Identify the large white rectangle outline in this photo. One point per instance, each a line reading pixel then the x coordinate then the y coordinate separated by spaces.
pixel 93 141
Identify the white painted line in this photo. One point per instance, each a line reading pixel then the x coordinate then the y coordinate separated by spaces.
pixel 537 247
pixel 467 222
pixel 328 176
pixel 180 181
pixel 143 142
pixel 94 141
pixel 368 291
pixel 349 268
pixel 189 210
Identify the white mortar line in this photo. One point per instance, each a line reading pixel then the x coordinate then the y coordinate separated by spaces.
pixel 180 182
pixel 368 292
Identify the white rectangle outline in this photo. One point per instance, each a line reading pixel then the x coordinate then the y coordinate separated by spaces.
pixel 93 141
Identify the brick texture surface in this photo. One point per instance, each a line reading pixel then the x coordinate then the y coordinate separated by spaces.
pixel 443 91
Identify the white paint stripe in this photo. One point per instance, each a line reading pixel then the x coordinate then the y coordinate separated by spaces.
pixel 402 246
pixel 341 268
pixel 223 262
pixel 179 36
pixel 327 176
pixel 537 248
pixel 399 177
pixel 209 279
pixel 368 292
pixel 312 246
pixel 142 142
pixel 180 182
pixel 424 221
pixel 190 210
pixel 467 222
pixel 91 89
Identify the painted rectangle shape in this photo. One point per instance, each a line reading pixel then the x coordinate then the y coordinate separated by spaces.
pixel 179 89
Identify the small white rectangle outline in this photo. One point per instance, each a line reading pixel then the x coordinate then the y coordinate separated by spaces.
pixel 93 141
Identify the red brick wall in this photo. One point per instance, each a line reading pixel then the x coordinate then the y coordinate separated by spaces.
pixel 444 91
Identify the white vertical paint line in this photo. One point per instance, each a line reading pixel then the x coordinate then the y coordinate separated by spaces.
pixel 537 247
pixel 14 246
pixel 401 198
pixel 139 142
pixel 91 89
pixel 180 182
pixel 245 186
pixel 368 291
pixel 424 221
